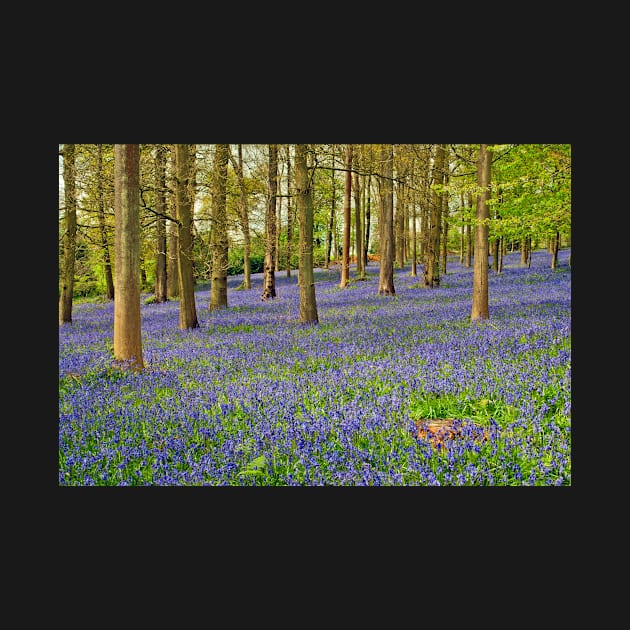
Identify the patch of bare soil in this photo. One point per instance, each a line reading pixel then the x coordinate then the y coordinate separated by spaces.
pixel 438 430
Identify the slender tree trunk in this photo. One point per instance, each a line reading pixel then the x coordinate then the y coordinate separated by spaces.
pixel 347 195
pixel 445 225
pixel 187 307
pixel 555 246
pixel 386 222
pixel 278 225
pixel 368 210
pixel 107 262
pixel 480 270
pixel 269 278
pixel 414 245
pixel 360 271
pixel 524 252
pixel 469 233
pixel 399 229
pixel 127 318
pixel 161 294
pixel 289 213
pixel 331 222
pixel 172 250
pixel 244 214
pixel 432 267
pixel 218 284
pixel 69 237
pixel 306 278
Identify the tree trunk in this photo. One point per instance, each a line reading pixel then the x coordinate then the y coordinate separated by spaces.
pixel 269 278
pixel 432 266
pixel 289 214
pixel 347 196
pixel 306 278
pixel 247 264
pixel 127 319
pixel 218 284
pixel 445 230
pixel 360 270
pixel 414 246
pixel 172 251
pixel 480 270
pixel 161 293
pixel 187 308
pixel 331 223
pixel 555 246
pixel 386 222
pixel 399 228
pixel 368 205
pixel 69 237
pixel 469 233
pixel 107 262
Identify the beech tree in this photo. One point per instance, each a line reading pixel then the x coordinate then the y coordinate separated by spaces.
pixel 183 196
pixel 237 165
pixel 432 263
pixel 69 236
pixel 347 196
pixel 127 321
pixel 480 268
pixel 269 278
pixel 289 213
pixel 306 278
pixel 160 208
pixel 386 221
pixel 218 284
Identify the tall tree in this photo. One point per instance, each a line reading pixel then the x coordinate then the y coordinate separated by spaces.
pixel 306 277
pixel 160 208
pixel 386 221
pixel 368 212
pixel 218 284
pixel 127 319
pixel 244 216
pixel 269 278
pixel 100 193
pixel 69 236
pixel 333 201
pixel 347 196
pixel 358 223
pixel 432 266
pixel 480 268
pixel 289 213
pixel 187 308
pixel 172 250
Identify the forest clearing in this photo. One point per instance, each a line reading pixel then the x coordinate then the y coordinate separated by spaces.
pixel 254 397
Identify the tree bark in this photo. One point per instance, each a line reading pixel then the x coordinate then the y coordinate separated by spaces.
pixel 289 214
pixel 187 308
pixel 386 221
pixel 306 279
pixel 70 235
pixel 218 284
pixel 269 278
pixel 432 266
pixel 480 270
pixel 127 319
pixel 161 294
pixel 172 251
pixel 347 196
pixel 107 262
pixel 360 246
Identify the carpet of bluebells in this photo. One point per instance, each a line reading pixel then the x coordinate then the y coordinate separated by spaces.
pixel 254 398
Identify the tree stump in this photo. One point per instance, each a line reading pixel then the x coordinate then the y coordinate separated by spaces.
pixel 438 430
